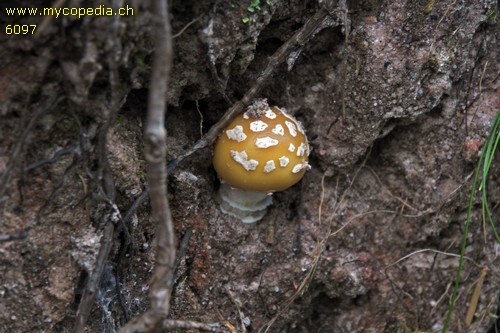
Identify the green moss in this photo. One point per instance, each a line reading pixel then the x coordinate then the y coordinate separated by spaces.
pixel 429 6
pixel 65 123
pixel 491 16
pixel 141 65
pixel 141 172
pixel 255 6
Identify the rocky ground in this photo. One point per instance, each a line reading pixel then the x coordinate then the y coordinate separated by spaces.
pixel 397 98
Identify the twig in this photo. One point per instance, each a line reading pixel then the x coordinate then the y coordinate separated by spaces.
pixel 21 141
pixel 155 142
pixel 475 297
pixel 186 26
pixel 17 236
pixel 377 178
pixel 201 118
pixel 105 181
pixel 90 291
pixel 440 299
pixel 116 54
pixel 67 175
pixel 425 250
pixel 238 305
pixel 135 205
pixel 221 85
pixel 185 324
pixel 57 155
pixel 181 252
pixel 482 77
pixel 122 253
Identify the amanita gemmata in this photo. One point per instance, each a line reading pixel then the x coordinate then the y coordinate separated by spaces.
pixel 261 151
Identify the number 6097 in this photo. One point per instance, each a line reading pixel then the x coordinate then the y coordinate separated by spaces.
pixel 20 29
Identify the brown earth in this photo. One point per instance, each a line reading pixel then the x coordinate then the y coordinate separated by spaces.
pixel 397 98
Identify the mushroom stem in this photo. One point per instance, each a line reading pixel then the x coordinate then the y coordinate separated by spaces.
pixel 248 206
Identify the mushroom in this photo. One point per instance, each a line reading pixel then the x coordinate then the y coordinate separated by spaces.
pixel 261 151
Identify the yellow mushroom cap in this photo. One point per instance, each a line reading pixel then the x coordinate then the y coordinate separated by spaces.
pixel 263 149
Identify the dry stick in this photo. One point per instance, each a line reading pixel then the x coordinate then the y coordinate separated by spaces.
pixel 186 324
pixel 108 195
pixel 155 142
pixel 475 297
pixel 215 76
pixel 186 27
pixel 67 175
pixel 90 291
pixel 424 250
pixel 298 39
pixel 238 305
pixel 107 186
pixel 74 148
pixel 108 189
pixel 113 44
pixel 181 252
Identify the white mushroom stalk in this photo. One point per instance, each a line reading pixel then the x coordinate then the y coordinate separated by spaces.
pixel 247 206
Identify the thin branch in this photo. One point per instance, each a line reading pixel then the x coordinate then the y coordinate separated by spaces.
pixel 21 141
pixel 238 305
pixel 135 205
pixel 181 252
pixel 155 138
pixel 74 148
pixel 105 180
pixel 189 325
pixel 92 284
pixel 67 175
pixel 155 144
pixel 425 250
pixel 201 118
pixel 186 27
pixel 220 84
pixel 475 297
